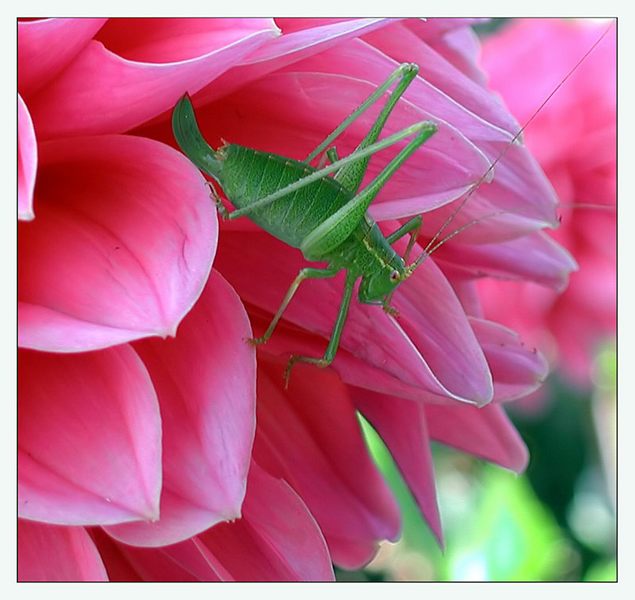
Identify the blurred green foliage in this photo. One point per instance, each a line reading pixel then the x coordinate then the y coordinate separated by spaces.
pixel 556 522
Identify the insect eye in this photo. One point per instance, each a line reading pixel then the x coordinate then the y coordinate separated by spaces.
pixel 394 276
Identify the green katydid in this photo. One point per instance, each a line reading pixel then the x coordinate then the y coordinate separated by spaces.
pixel 326 217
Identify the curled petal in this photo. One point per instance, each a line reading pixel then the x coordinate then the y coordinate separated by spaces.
pixel 309 436
pixel 516 369
pixel 46 46
pixel 187 561
pixel 401 43
pixel 121 248
pixel 138 68
pixel 209 418
pixel 27 162
pixel 485 432
pixel 104 404
pixel 52 553
pixel 298 41
pixel 277 539
pixel 535 257
pixel 402 426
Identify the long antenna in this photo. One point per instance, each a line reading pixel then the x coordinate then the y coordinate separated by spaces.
pixel 478 183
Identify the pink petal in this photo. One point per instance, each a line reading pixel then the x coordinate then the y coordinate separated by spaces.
pixel 432 347
pixel 534 257
pixel 46 46
pixel 27 162
pixel 310 437
pixel 89 436
pixel 122 246
pixel 398 41
pixel 402 426
pixel 462 48
pixel 360 60
pixel 208 418
pixel 485 432
pixel 51 553
pixel 187 561
pixel 276 540
pixel 517 370
pixel 430 29
pixel 139 68
pixel 295 43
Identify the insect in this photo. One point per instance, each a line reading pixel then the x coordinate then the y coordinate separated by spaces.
pixel 324 216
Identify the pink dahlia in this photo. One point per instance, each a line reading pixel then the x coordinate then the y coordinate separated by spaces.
pixel 154 442
pixel 574 139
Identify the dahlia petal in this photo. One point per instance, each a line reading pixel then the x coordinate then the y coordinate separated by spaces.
pixel 128 563
pixel 310 436
pixel 484 432
pixel 516 369
pixel 208 420
pixel 399 42
pixel 129 77
pixel 402 426
pixel 277 539
pixel 360 60
pixel 535 257
pixel 293 45
pixel 429 29
pixel 122 246
pixel 46 46
pixel 104 403
pixel 432 348
pixel 113 556
pixel 461 47
pixel 27 162
pixel 51 553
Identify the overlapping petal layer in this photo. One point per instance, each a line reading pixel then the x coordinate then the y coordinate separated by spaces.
pixel 276 539
pixel 46 46
pixel 52 553
pixel 208 419
pixel 135 70
pixel 89 436
pixel 309 436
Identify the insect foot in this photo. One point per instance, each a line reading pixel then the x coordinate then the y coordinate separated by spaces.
pixel 295 358
pixel 256 341
pixel 220 207
pixel 390 310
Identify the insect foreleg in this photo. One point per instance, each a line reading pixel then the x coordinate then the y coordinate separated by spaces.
pixel 336 228
pixel 412 227
pixel 307 273
pixel 336 334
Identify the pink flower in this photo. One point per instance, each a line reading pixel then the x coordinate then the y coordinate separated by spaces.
pixel 153 443
pixel 574 139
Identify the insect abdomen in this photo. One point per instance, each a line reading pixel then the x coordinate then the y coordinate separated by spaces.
pixel 249 175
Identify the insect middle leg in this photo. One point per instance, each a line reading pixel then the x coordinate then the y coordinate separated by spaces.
pixel 412 227
pixel 336 334
pixel 308 273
